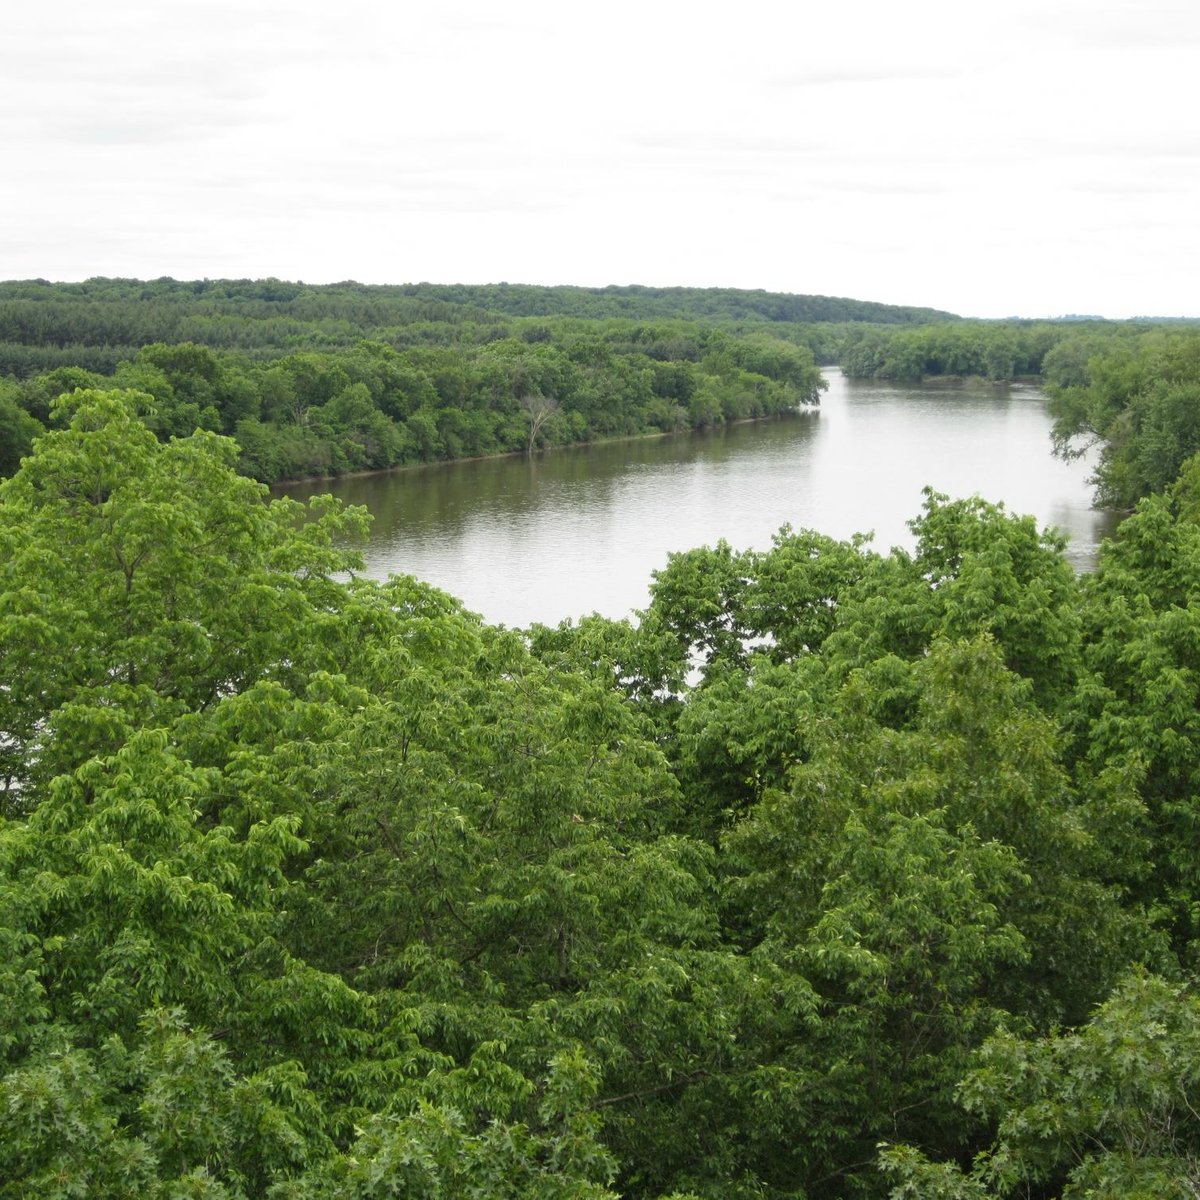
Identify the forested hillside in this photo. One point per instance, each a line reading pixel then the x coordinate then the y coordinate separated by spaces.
pixel 839 874
pixel 319 381
pixel 98 322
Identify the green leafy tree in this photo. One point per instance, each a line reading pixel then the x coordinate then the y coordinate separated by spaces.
pixel 17 429
pixel 1137 398
pixel 928 884
pixel 1107 1111
pixel 142 580
pixel 1136 709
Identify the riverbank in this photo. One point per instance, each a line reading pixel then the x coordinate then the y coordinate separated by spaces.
pixel 649 435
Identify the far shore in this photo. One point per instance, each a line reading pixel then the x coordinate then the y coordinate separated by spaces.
pixel 608 441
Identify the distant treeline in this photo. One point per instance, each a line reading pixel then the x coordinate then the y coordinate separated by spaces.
pixel 315 381
pixel 101 322
pixel 324 380
pixel 996 350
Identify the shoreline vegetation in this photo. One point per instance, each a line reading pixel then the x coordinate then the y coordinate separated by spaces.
pixel 838 874
pixel 784 414
pixel 316 383
pixel 320 382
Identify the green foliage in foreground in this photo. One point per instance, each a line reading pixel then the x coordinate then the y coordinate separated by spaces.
pixel 1105 1112
pixel 316 887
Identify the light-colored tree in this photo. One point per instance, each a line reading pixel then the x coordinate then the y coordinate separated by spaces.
pixel 539 409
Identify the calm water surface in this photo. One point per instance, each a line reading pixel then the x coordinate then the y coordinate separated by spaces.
pixel 580 530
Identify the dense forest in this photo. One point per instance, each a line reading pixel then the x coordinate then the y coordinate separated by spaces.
pixel 836 874
pixel 97 323
pixel 319 381
pixel 997 350
pixel 315 381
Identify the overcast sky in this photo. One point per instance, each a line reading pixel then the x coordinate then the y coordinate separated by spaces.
pixel 1025 158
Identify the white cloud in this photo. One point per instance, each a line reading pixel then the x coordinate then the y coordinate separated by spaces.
pixel 1036 158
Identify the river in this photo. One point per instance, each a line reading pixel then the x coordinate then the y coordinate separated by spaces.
pixel 580 530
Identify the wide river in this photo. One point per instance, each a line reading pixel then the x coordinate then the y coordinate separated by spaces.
pixel 580 530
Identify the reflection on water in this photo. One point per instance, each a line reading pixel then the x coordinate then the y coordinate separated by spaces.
pixel 580 530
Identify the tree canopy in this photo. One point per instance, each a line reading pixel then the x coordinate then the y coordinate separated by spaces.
pixel 314 886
